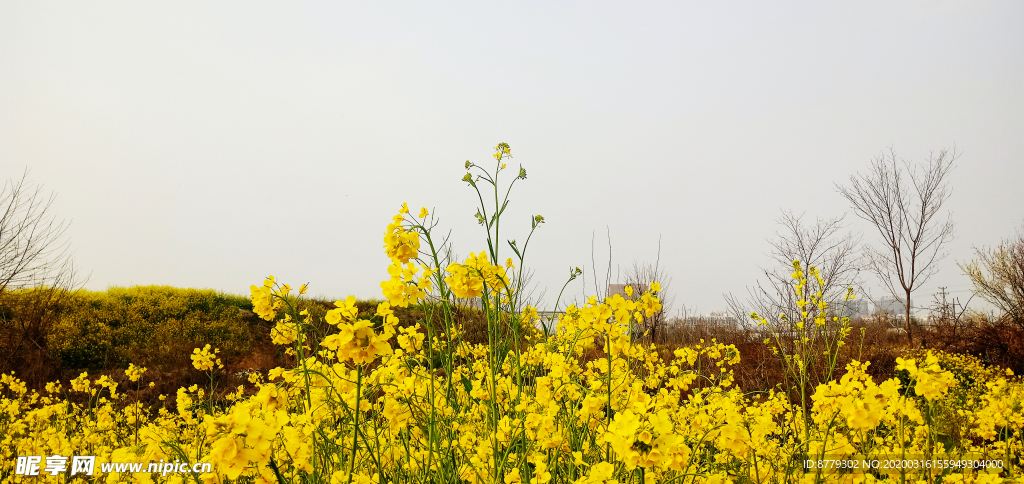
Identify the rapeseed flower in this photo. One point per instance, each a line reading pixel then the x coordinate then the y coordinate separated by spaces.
pixel 378 400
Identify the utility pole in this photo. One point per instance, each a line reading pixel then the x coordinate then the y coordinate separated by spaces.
pixel 945 307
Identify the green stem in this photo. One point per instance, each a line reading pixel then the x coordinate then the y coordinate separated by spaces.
pixel 355 422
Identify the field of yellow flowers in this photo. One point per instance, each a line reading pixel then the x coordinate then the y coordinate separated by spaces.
pixel 371 401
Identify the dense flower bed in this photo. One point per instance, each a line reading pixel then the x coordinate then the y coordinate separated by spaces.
pixel 372 402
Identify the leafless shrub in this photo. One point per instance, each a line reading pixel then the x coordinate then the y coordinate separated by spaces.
pixel 36 275
pixel 991 338
pixel 998 277
pixel 822 245
pixel 640 276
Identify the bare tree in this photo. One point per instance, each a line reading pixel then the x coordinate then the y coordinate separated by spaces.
pixel 640 276
pixel 1003 285
pixel 905 214
pixel 36 271
pixel 822 245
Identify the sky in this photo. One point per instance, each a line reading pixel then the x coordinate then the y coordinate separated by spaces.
pixel 208 145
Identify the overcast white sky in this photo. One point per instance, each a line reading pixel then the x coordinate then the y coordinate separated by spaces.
pixel 208 145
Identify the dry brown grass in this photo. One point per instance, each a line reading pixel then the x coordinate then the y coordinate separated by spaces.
pixel 760 370
pixel 996 341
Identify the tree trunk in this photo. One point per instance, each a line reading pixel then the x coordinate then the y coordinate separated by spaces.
pixel 910 335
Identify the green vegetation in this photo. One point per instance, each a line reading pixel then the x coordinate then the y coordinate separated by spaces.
pixel 147 324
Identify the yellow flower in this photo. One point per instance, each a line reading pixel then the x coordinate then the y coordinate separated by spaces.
pixel 133 372
pixel 423 212
pixel 467 280
pixel 357 342
pixel 345 311
pixel 263 300
pixel 578 458
pixel 284 333
pixel 205 360
pixel 541 474
pixel 400 244
pixel 225 455
pixel 384 309
pixel 600 473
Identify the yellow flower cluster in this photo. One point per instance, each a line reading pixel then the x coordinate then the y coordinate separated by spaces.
pixel 571 418
pixel 285 331
pixel 205 359
pixel 585 405
pixel 265 305
pixel 932 380
pixel 245 437
pixel 134 372
pixel 356 340
pixel 856 399
pixel 468 280
pixel 402 246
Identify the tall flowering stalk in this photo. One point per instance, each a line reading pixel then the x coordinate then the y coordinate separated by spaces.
pixel 802 343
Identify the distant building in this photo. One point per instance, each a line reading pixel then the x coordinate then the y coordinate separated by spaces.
pixel 549 320
pixel 853 309
pixel 620 289
pixel 890 305
pixel 893 308
pixel 720 319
